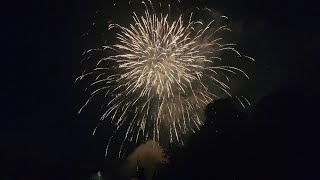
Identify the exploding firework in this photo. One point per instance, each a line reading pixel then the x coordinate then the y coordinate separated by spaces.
pixel 161 73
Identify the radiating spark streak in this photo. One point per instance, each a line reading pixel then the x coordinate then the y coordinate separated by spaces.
pixel 240 102
pixel 85 104
pixel 106 152
pixel 161 71
pixel 207 9
pixel 119 155
pixel 224 17
pixel 246 100
pixel 252 59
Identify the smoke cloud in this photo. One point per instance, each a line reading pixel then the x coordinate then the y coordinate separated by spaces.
pixel 147 156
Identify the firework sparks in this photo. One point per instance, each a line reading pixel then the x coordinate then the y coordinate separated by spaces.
pixel 161 73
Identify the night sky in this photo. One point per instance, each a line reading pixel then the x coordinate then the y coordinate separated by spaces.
pixel 43 137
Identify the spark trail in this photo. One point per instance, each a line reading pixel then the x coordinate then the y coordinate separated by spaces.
pixel 161 73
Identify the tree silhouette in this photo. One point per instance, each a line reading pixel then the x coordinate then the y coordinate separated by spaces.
pixel 277 140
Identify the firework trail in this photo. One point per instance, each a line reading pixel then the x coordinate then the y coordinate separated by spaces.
pixel 160 74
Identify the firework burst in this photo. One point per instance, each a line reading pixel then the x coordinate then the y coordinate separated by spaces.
pixel 160 74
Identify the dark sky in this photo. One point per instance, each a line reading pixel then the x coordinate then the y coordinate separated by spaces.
pixel 42 46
